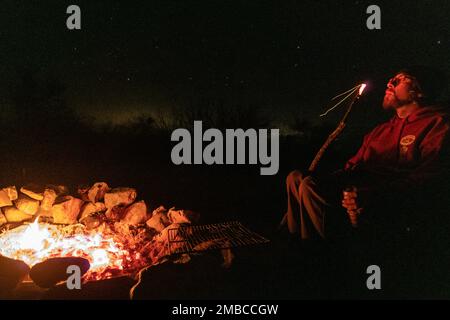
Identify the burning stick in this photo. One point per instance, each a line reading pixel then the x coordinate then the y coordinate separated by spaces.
pixel 339 128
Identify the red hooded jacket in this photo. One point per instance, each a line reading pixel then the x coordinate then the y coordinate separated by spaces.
pixel 405 152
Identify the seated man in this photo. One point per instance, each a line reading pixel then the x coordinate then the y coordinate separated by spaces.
pixel 397 159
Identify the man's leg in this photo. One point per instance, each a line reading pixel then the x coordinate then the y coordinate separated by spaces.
pixel 293 181
pixel 308 199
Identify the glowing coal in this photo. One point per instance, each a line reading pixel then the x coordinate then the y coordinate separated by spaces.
pixel 37 242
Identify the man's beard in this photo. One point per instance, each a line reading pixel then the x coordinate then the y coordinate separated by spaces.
pixel 391 101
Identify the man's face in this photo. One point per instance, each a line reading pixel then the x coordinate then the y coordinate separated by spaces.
pixel 398 92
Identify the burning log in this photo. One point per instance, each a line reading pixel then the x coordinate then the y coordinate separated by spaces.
pixel 159 245
pixel 48 273
pixel 97 192
pixel 120 196
pixel 13 214
pixel 48 199
pixel 2 219
pixel 11 191
pixel 5 201
pixel 115 213
pixel 90 208
pixel 33 191
pixel 27 205
pixel 135 214
pixel 66 210
pixel 159 220
pixel 90 214
pixel 163 236
pixel 163 222
pixel 123 229
pixel 92 222
pixel 182 216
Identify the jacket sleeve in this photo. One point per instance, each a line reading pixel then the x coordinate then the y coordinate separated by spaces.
pixel 358 158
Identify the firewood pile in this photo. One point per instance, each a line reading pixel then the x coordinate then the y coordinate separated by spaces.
pixel 90 206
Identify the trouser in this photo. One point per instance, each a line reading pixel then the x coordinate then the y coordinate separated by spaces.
pixel 313 205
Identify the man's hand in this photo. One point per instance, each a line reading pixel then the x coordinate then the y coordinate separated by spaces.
pixel 351 202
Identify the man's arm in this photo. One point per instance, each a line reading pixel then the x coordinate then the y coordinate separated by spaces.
pixel 434 167
pixel 350 199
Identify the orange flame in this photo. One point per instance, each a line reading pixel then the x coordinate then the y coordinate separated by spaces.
pixel 37 242
pixel 361 88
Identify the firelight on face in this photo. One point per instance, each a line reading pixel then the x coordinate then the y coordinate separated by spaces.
pixel 398 92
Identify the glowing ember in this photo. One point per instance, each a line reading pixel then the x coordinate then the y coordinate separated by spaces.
pixel 37 242
pixel 361 88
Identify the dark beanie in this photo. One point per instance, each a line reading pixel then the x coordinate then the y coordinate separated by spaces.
pixel 431 80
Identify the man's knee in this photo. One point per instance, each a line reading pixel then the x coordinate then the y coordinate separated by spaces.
pixel 294 177
pixel 307 186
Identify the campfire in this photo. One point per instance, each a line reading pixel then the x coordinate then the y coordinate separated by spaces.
pixel 108 227
pixel 38 242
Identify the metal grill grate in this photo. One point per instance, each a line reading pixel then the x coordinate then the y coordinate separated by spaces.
pixel 188 239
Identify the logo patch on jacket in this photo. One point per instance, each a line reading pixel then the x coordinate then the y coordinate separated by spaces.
pixel 405 142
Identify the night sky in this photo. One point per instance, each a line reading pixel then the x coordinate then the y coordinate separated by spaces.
pixel 138 58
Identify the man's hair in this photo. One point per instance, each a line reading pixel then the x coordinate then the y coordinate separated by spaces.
pixel 431 81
